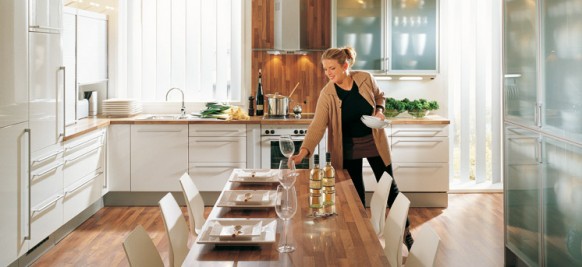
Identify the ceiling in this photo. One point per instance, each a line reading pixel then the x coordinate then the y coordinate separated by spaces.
pixel 100 6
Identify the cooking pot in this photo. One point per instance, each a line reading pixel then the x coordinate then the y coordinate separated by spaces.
pixel 278 105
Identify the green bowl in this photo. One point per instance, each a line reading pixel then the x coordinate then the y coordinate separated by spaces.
pixel 391 113
pixel 418 113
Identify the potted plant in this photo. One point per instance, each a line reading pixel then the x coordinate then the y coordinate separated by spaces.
pixel 393 107
pixel 420 107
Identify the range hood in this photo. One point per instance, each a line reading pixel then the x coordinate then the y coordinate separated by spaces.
pixel 290 27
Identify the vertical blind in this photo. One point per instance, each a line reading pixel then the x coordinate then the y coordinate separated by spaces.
pixel 187 44
pixel 475 84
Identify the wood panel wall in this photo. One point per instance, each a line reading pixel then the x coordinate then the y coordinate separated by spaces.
pixel 282 72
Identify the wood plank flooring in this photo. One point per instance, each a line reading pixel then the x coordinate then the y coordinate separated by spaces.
pixel 471 231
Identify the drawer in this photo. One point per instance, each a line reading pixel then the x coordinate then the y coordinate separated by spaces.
pixel 82 194
pixel 217 149
pixel 82 163
pixel 212 176
pixel 422 177
pixel 420 149
pixel 84 142
pixel 217 130
pixel 46 217
pixel 419 130
pixel 46 181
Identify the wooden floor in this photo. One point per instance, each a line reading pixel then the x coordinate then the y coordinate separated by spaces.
pixel 471 231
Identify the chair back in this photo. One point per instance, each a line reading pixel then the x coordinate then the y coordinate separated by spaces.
pixel 423 252
pixel 394 230
pixel 140 250
pixel 195 204
pixel 176 228
pixel 378 203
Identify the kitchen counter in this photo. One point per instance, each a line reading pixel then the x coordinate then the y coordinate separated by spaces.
pixel 87 125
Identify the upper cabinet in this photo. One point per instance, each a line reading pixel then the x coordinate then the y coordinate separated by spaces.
pixel 45 15
pixel 390 36
pixel 91 47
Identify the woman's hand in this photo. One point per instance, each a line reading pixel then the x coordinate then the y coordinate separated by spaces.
pixel 380 114
pixel 300 156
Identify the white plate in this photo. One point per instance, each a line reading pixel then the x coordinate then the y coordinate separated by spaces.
pixel 260 176
pixel 225 230
pixel 267 234
pixel 374 122
pixel 261 199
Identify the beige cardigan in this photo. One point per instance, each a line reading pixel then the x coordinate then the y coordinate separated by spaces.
pixel 328 116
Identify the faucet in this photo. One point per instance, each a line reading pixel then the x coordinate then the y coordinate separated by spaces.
pixel 183 109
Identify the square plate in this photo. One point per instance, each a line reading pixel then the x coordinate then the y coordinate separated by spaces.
pixel 261 199
pixel 255 176
pixel 226 230
pixel 267 234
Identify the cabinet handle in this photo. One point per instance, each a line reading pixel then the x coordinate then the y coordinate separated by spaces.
pixel 82 155
pixel 81 185
pixel 159 131
pixel 83 143
pixel 417 167
pixel 47 204
pixel 47 156
pixel 538 114
pixel 217 131
pixel 38 28
pixel 27 237
pixel 47 171
pixel 416 141
pixel 538 150
pixel 416 131
pixel 214 167
pixel 223 141
pixel 64 69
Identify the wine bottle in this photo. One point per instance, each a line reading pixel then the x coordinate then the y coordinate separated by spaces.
pixel 315 196
pixel 328 183
pixel 260 98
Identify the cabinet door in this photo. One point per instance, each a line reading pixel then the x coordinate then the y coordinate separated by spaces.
pixel 45 15
pixel 522 193
pixel 562 204
pixel 118 155
pixel 14 173
pixel 45 89
pixel 520 61
pixel 69 35
pixel 159 157
pixel 562 89
pixel 91 48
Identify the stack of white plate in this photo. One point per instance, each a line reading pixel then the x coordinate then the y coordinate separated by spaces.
pixel 374 122
pixel 117 107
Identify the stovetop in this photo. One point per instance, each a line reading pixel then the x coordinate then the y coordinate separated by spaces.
pixel 288 117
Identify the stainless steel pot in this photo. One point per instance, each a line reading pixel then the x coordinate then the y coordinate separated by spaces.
pixel 278 105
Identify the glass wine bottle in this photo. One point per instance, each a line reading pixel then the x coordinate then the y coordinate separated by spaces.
pixel 260 98
pixel 315 192
pixel 328 185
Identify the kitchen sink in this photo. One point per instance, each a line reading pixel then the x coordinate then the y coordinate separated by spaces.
pixel 167 117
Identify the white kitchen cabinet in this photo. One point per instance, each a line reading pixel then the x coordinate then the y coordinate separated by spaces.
pixel 45 15
pixel 91 47
pixel 118 157
pixel 13 191
pixel 69 36
pixel 420 161
pixel 83 168
pixel 159 157
pixel 214 150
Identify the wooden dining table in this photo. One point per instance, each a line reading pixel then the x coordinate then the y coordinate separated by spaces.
pixel 344 239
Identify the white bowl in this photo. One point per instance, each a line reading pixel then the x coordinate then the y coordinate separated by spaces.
pixel 374 122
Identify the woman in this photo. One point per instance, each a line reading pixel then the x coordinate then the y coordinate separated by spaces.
pixel 345 98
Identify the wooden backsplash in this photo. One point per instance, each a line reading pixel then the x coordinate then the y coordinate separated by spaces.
pixel 282 72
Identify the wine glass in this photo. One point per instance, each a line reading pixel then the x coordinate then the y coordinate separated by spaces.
pixel 286 207
pixel 286 145
pixel 287 173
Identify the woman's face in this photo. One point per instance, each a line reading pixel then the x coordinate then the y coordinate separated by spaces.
pixel 334 71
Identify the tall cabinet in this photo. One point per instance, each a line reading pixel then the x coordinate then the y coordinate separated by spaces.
pixel 543 132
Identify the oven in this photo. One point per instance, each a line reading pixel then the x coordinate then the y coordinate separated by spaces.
pixel 271 154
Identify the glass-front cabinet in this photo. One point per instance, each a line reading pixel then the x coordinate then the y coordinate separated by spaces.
pixel 542 62
pixel 390 36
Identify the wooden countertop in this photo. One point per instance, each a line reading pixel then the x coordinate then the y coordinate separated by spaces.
pixel 346 239
pixel 87 125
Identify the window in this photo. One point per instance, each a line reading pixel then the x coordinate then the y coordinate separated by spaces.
pixel 193 45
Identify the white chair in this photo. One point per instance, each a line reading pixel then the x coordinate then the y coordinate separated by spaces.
pixel 394 230
pixel 176 228
pixel 195 204
pixel 378 203
pixel 423 252
pixel 140 250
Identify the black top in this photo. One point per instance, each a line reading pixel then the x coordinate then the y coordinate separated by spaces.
pixel 353 107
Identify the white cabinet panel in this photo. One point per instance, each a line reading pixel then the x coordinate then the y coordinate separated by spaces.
pixel 420 149
pixel 69 35
pixel 422 177
pixel 217 149
pixel 212 176
pixel 91 47
pixel 83 156
pixel 118 157
pixel 159 157
pixel 46 218
pixel 82 194
pixel 217 130
pixel 419 130
pixel 45 15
